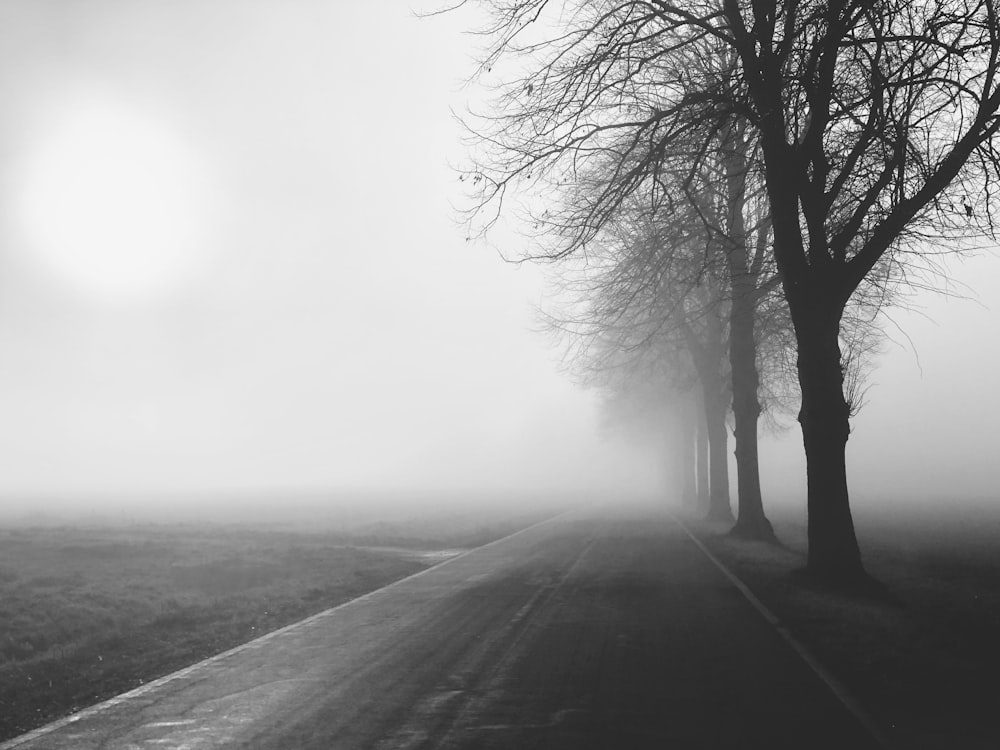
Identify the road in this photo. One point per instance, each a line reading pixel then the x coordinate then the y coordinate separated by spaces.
pixel 593 630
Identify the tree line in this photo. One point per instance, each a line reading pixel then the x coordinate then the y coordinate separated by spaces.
pixel 733 189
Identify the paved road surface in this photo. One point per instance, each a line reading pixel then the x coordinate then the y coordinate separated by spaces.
pixel 590 631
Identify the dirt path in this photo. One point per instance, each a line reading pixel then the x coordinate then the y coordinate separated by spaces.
pixel 590 631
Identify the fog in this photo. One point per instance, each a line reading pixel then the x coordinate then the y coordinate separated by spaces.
pixel 320 327
pixel 925 433
pixel 303 318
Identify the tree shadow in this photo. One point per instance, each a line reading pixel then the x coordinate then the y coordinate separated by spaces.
pixel 860 588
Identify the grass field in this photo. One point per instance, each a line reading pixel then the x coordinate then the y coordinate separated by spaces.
pixel 924 658
pixel 89 612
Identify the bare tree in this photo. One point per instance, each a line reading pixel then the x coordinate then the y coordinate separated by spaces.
pixel 726 194
pixel 876 123
pixel 646 308
pixel 872 118
pixel 705 246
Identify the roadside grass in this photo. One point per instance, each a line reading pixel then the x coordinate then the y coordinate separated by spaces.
pixel 925 658
pixel 87 613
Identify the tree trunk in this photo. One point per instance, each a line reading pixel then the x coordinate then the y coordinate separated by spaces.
pixel 689 490
pixel 816 293
pixel 751 521
pixel 825 421
pixel 701 446
pixel 709 354
pixel 719 508
pixel 675 454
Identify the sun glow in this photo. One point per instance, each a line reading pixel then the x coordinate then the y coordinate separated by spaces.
pixel 114 204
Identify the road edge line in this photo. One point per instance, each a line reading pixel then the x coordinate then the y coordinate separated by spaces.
pixel 137 692
pixel 838 688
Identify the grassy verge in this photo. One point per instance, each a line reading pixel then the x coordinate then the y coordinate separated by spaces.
pixel 924 659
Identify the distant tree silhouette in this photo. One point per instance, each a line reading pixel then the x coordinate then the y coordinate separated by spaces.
pixel 705 247
pixel 728 202
pixel 665 286
pixel 639 322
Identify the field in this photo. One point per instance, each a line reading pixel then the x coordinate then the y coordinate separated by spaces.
pixel 924 656
pixel 88 612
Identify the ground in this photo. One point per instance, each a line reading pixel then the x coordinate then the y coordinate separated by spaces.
pixel 600 628
pixel 923 657
pixel 587 633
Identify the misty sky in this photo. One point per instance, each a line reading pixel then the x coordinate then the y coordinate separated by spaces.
pixel 304 313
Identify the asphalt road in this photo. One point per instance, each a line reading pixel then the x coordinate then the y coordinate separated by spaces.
pixel 594 630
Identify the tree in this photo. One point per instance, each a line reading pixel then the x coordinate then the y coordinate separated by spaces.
pixel 666 282
pixel 876 124
pixel 646 310
pixel 703 326
pixel 729 204
pixel 552 125
pixel 867 114
pixel 711 233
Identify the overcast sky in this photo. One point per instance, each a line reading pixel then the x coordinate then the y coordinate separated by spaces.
pixel 303 313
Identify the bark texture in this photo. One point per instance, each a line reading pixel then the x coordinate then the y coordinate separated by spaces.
pixel 825 421
pixel 751 522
